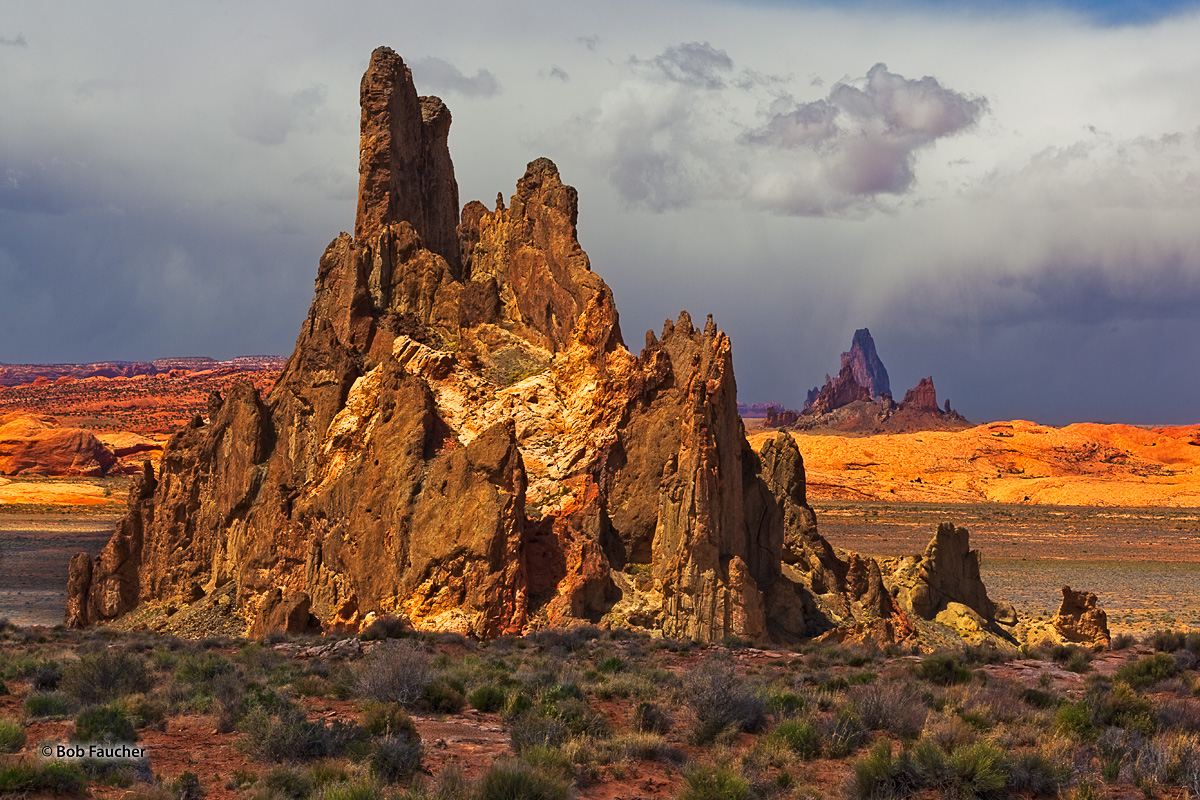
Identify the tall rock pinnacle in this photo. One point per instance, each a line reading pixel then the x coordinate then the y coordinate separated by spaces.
pixel 404 168
pixel 865 366
pixel 462 437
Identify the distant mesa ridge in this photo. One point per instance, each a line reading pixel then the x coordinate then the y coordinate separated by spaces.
pixel 21 374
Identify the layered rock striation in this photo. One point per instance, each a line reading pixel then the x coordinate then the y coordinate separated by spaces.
pixel 462 436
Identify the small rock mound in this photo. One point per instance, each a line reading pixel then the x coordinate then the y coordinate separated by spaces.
pixel 1080 619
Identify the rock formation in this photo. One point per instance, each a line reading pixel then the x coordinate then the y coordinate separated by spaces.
pixel 1081 620
pixel 865 366
pixel 36 444
pixel 859 400
pixel 461 436
pixel 945 585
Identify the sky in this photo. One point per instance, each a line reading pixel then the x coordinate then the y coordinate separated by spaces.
pixel 1006 193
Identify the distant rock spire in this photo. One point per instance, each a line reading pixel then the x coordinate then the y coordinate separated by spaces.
pixel 865 366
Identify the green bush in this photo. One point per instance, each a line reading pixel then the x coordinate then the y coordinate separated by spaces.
pixel 388 719
pixel 396 758
pixel 200 668
pixel 12 736
pixel 1075 719
pixel 52 705
pixel 710 782
pixel 516 780
pixel 943 669
pixel 55 777
pixel 488 698
pixel 879 774
pixel 351 790
pixel 102 675
pixel 443 698
pixel 291 737
pixel 799 737
pixel 288 782
pixel 104 724
pixel 1147 671
pixel 980 770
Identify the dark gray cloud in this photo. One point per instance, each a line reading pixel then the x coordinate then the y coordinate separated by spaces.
pixel 669 136
pixel 559 73
pixel 268 117
pixel 863 140
pixel 15 41
pixel 590 42
pixel 440 75
pixel 692 64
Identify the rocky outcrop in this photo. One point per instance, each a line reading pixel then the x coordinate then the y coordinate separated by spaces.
pixel 1080 619
pixel 944 585
pixel 462 437
pixel 922 397
pixel 37 445
pixel 781 419
pixel 865 365
pixel 836 393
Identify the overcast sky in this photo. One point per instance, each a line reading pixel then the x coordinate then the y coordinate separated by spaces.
pixel 1006 194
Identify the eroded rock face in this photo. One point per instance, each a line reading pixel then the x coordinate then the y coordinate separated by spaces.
pixel 37 445
pixel 1081 620
pixel 944 585
pixel 462 437
pixel 922 397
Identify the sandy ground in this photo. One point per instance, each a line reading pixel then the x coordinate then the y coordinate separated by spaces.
pixel 1084 464
pixel 35 552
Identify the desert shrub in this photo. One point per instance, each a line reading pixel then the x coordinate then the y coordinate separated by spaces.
pixel 349 790
pixel 1071 657
pixel 102 675
pixel 1075 719
pixel 187 786
pixel 650 718
pixel 879 774
pixel 1164 641
pixel 1038 774
pixel 787 703
pixel 45 676
pixel 396 758
pixel 531 729
pixel 1123 708
pixel 395 672
pixel 1147 671
pixel 388 719
pixel 291 737
pixel 53 705
pixel 891 707
pixel 1181 714
pixel 799 737
pixel 229 698
pixel 640 746
pixel 712 782
pixel 55 777
pixel 1038 698
pixel 488 698
pixel 104 724
pixel 287 782
pixel 201 668
pixel 843 734
pixel 943 669
pixel 12 736
pixel 517 780
pixel 1122 641
pixel 719 700
pixel 612 664
pixel 145 711
pixel 980 770
pixel 442 698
